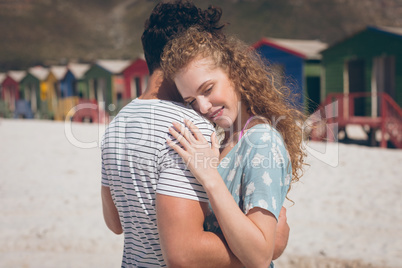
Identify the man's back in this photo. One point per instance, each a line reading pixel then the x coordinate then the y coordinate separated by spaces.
pixel 137 163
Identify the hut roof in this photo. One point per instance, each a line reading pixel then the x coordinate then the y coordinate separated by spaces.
pixel 39 72
pixel 386 29
pixel 59 71
pixel 393 31
pixel 2 77
pixel 114 66
pixel 78 69
pixel 307 49
pixel 17 76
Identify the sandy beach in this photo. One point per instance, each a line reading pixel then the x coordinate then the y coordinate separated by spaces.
pixel 347 209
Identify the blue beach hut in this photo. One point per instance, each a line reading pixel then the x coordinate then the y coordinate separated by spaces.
pixel 297 64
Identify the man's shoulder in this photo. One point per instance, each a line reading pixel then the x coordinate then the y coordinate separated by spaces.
pixel 141 113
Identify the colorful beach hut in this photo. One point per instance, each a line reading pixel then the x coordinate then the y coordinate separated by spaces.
pixel 30 91
pixel 297 65
pixel 58 80
pixel 37 77
pixel 368 61
pixel 135 78
pixel 73 83
pixel 105 86
pixel 363 73
pixel 53 91
pixel 4 112
pixel 115 69
pixel 72 88
pixel 11 90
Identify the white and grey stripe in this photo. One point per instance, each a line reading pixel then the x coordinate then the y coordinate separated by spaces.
pixel 137 163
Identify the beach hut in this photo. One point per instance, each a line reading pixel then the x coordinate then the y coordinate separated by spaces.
pixel 297 65
pixel 73 83
pixel 363 75
pixel 64 89
pixel 368 61
pixel 135 78
pixel 105 86
pixel 53 91
pixel 37 78
pixel 80 86
pixel 72 88
pixel 11 91
pixel 115 69
pixel 30 91
pixel 4 112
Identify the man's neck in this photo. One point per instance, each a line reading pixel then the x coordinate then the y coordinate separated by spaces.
pixel 159 88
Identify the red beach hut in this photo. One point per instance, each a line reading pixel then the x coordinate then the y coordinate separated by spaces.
pixel 10 89
pixel 135 78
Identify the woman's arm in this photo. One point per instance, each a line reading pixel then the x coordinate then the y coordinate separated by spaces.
pixel 250 237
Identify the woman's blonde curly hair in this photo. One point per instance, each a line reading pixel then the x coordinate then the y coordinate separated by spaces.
pixel 251 76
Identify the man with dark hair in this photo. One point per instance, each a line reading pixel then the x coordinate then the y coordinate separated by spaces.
pixel 147 191
pixel 167 20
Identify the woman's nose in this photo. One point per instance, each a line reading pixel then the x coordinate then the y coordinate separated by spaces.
pixel 204 105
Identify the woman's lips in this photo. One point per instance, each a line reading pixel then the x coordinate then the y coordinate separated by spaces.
pixel 217 113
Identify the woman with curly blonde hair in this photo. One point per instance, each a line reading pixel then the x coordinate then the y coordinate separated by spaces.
pixel 246 180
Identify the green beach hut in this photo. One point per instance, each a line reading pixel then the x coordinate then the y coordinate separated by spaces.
pixel 370 61
pixel 102 80
pixel 363 75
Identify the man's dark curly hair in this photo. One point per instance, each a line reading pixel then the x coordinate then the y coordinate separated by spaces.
pixel 169 19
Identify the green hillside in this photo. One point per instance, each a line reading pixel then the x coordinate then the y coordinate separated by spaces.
pixel 56 31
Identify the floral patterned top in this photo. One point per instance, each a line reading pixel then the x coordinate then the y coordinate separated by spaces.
pixel 257 172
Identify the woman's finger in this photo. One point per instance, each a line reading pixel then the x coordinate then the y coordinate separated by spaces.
pixel 177 149
pixel 182 140
pixel 184 131
pixel 194 130
pixel 215 143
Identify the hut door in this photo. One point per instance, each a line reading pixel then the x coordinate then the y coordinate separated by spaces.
pixel 356 69
pixel 12 98
pixel 92 88
pixel 384 74
pixel 34 101
pixel 30 96
pixel 135 87
pixel 313 93
pixel 383 78
pixel 101 93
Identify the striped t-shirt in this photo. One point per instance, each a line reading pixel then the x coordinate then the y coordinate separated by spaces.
pixel 137 163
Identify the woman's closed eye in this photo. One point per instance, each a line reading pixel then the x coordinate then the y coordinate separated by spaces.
pixel 208 90
pixel 189 101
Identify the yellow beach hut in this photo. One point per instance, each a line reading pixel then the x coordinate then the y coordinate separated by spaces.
pixel 60 104
pixel 41 73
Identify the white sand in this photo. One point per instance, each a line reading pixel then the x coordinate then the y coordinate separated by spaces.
pixel 50 198
pixel 344 216
pixel 349 212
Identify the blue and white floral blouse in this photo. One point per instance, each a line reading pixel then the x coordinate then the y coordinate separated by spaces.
pixel 257 172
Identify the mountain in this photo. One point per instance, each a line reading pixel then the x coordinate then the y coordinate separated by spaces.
pixel 56 31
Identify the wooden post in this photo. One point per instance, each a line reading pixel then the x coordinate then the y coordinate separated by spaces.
pixel 383 121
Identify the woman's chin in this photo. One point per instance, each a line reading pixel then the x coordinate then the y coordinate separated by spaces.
pixel 223 124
